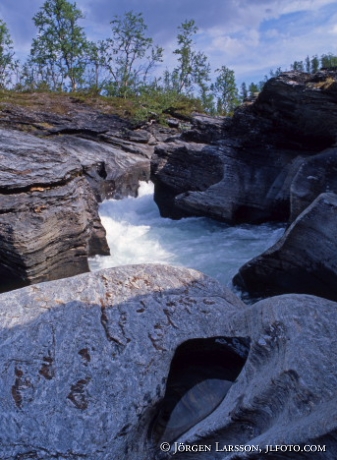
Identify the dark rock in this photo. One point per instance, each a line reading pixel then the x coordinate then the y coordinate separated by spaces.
pixel 115 154
pixel 49 222
pixel 87 364
pixel 316 175
pixel 302 106
pixel 205 129
pixel 224 182
pixel 183 166
pixel 142 136
pixel 259 150
pixel 303 260
pixel 173 123
pixel 251 190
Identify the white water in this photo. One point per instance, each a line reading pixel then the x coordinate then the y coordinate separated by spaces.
pixel 137 234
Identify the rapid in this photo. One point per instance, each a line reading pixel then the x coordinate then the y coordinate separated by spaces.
pixel 137 234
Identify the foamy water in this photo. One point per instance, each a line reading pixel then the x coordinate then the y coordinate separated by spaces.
pixel 137 234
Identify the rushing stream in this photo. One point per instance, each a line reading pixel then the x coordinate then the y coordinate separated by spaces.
pixel 137 234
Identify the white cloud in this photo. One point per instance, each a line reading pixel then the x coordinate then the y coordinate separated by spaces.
pixel 302 5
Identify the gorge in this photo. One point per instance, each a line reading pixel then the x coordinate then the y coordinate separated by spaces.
pixel 112 363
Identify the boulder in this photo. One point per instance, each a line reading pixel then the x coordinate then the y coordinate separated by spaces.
pixel 112 364
pixel 181 166
pixel 285 393
pixel 85 360
pixel 303 260
pixel 49 221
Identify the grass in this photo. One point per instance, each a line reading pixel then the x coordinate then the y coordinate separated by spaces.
pixel 329 84
pixel 151 105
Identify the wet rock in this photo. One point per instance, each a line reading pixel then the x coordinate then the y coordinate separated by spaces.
pixel 89 363
pixel 303 260
pixel 183 166
pixel 49 221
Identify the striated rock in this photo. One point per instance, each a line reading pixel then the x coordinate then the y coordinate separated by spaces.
pixel 205 129
pixel 302 106
pixel 49 221
pixel 259 152
pixel 182 166
pixel 223 181
pixel 316 175
pixel 251 189
pixel 114 153
pixel 303 260
pixel 110 364
pixel 111 172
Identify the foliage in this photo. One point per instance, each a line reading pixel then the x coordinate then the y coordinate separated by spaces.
pixel 328 60
pixel 253 89
pixel 314 64
pixel 193 69
pixel 226 92
pixel 60 49
pixel 7 63
pixel 128 55
pixel 244 91
pixel 119 67
pixel 297 66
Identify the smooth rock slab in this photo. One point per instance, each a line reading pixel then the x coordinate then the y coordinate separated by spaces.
pixel 85 362
pixel 84 359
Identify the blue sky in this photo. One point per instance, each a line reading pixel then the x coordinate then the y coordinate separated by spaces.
pixel 249 36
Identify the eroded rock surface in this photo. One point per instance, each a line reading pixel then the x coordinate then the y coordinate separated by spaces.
pixel 50 188
pixel 316 175
pixel 114 153
pixel 111 172
pixel 49 221
pixel 258 151
pixel 303 260
pixel 87 364
pixel 85 360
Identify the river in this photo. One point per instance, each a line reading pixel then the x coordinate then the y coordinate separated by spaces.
pixel 137 234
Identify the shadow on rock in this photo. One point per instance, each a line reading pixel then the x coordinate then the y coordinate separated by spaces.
pixel 105 365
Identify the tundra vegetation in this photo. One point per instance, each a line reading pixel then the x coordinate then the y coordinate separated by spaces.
pixel 124 69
